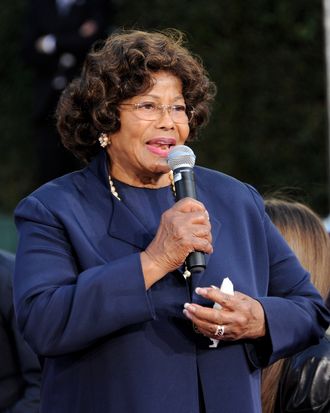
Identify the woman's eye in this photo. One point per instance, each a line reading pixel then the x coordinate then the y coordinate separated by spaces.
pixel 179 108
pixel 148 106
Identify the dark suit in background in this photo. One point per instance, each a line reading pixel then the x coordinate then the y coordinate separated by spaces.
pixel 56 41
pixel 19 366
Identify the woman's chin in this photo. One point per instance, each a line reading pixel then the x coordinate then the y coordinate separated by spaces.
pixel 161 166
pixel 162 169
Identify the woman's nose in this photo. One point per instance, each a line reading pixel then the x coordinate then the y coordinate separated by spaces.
pixel 165 117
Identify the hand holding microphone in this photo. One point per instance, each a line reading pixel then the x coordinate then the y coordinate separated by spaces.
pixel 184 233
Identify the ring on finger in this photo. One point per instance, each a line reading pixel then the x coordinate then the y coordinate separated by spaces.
pixel 220 331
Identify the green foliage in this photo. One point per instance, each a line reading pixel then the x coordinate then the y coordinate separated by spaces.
pixel 16 143
pixel 267 58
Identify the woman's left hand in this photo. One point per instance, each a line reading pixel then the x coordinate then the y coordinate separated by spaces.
pixel 240 316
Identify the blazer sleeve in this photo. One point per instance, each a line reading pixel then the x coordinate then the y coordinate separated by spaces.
pixel 296 316
pixel 59 309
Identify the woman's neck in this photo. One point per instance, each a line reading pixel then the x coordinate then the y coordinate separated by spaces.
pixel 151 181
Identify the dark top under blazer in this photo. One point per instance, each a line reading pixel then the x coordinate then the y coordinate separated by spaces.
pixel 108 345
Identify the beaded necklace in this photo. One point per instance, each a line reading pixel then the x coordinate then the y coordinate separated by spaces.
pixel 114 192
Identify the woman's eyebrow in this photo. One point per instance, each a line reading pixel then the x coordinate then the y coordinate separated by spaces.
pixel 159 97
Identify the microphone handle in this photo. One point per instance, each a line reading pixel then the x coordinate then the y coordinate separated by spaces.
pixel 184 183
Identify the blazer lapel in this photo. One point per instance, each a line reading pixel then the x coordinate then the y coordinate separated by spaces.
pixel 107 217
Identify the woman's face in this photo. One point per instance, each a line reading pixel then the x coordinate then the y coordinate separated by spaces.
pixel 138 151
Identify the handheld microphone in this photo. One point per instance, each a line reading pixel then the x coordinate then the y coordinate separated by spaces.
pixel 181 159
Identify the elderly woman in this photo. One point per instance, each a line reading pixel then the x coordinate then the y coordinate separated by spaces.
pixel 100 289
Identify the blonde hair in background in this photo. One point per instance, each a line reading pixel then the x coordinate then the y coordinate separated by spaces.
pixel 306 235
pixel 308 238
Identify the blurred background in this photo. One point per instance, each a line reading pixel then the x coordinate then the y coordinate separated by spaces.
pixel 269 123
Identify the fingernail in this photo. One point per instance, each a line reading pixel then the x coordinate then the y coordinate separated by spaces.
pixel 186 313
pixel 189 307
pixel 201 291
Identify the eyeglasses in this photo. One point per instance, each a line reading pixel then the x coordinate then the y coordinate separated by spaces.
pixel 152 111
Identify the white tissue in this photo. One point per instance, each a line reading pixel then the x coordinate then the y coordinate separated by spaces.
pixel 227 287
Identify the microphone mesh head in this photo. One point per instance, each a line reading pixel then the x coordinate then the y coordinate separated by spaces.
pixel 181 156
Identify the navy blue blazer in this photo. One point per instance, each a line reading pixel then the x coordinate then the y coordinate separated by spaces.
pixel 110 346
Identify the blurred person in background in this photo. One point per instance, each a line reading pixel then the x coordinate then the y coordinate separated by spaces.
pixel 57 36
pixel 19 366
pixel 301 383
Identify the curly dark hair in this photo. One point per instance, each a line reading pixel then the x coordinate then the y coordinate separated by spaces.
pixel 121 68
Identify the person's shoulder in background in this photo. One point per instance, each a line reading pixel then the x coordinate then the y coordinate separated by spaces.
pixel 20 369
pixel 305 382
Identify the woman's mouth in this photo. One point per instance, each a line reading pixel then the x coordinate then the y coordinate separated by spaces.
pixel 161 146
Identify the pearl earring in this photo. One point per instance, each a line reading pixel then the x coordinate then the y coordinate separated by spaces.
pixel 104 140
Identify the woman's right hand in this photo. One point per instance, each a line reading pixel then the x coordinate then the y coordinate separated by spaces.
pixel 184 228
